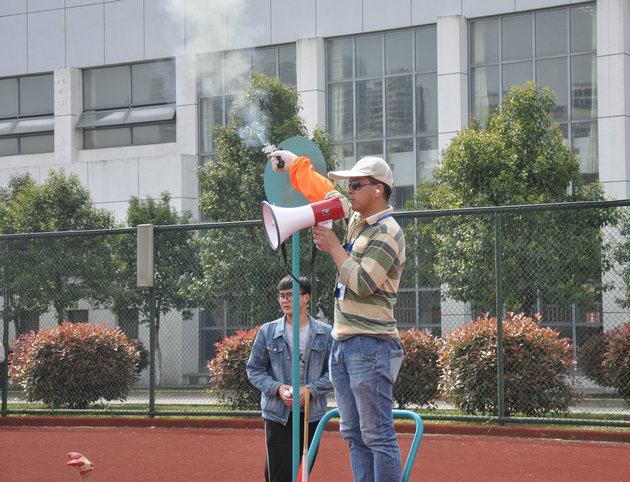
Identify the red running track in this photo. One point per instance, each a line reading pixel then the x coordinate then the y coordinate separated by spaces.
pixel 31 453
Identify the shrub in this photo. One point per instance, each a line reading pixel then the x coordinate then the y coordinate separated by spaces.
pixel 228 371
pixel 74 365
pixel 536 362
pixel 617 360
pixel 591 359
pixel 419 374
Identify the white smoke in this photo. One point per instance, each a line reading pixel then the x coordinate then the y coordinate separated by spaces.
pixel 207 23
pixel 217 26
pixel 255 131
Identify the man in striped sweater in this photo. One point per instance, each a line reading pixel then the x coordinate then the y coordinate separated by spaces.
pixel 366 353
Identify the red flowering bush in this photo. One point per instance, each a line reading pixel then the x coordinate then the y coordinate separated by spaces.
pixel 74 365
pixel 228 370
pixel 617 360
pixel 536 364
pixel 591 359
pixel 419 374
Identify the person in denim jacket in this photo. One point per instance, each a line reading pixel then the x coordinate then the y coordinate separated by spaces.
pixel 269 368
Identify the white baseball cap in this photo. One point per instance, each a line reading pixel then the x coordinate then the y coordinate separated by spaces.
pixel 367 166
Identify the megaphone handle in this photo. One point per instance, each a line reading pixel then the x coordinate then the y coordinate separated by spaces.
pixel 326 224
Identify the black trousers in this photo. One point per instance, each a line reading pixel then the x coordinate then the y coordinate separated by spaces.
pixel 279 440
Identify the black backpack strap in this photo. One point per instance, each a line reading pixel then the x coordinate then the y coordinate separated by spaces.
pixel 286 264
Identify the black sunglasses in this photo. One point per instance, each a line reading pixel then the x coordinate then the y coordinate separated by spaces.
pixel 356 185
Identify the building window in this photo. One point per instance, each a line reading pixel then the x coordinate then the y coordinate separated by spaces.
pixel 557 49
pixel 128 321
pixel 216 324
pixel 26 321
pixel 128 105
pixel 78 316
pixel 222 76
pixel 27 115
pixel 382 101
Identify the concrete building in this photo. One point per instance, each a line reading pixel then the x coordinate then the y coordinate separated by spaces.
pixel 124 92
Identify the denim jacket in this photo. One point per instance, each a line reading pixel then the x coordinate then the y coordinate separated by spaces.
pixel 270 365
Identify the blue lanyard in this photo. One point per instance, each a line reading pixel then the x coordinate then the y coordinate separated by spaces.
pixel 358 235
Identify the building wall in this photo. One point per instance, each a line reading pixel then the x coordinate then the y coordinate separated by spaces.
pixel 65 36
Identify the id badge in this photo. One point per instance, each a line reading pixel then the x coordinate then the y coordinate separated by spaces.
pixel 341 291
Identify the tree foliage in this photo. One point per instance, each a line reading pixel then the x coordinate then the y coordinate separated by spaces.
pixel 239 268
pixel 175 257
pixel 54 272
pixel 622 258
pixel 176 264
pixel 519 158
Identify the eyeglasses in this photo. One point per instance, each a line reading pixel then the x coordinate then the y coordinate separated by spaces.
pixel 287 296
pixel 356 185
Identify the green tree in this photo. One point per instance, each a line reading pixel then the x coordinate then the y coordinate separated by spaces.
pixel 239 268
pixel 176 263
pixel 25 302
pixel 55 272
pixel 519 158
pixel 622 257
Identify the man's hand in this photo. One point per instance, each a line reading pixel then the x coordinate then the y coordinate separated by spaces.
pixel 345 204
pixel 302 396
pixel 287 157
pixel 285 392
pixel 326 240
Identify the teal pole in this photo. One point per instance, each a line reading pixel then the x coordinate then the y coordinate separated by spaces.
pixel 296 354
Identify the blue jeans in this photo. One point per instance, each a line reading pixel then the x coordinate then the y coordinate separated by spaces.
pixel 363 370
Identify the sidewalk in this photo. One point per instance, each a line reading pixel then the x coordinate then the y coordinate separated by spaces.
pixel 202 397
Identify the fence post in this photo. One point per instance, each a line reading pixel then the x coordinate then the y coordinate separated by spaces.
pixel 499 315
pixel 5 331
pixel 151 352
pixel 145 278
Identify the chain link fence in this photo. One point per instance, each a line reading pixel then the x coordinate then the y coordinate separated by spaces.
pixel 569 264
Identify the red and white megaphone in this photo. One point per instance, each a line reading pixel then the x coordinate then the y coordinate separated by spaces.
pixel 280 223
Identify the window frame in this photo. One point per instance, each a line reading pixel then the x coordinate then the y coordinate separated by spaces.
pixel 131 115
pixel 352 147
pixel 22 126
pixel 568 123
pixel 224 95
